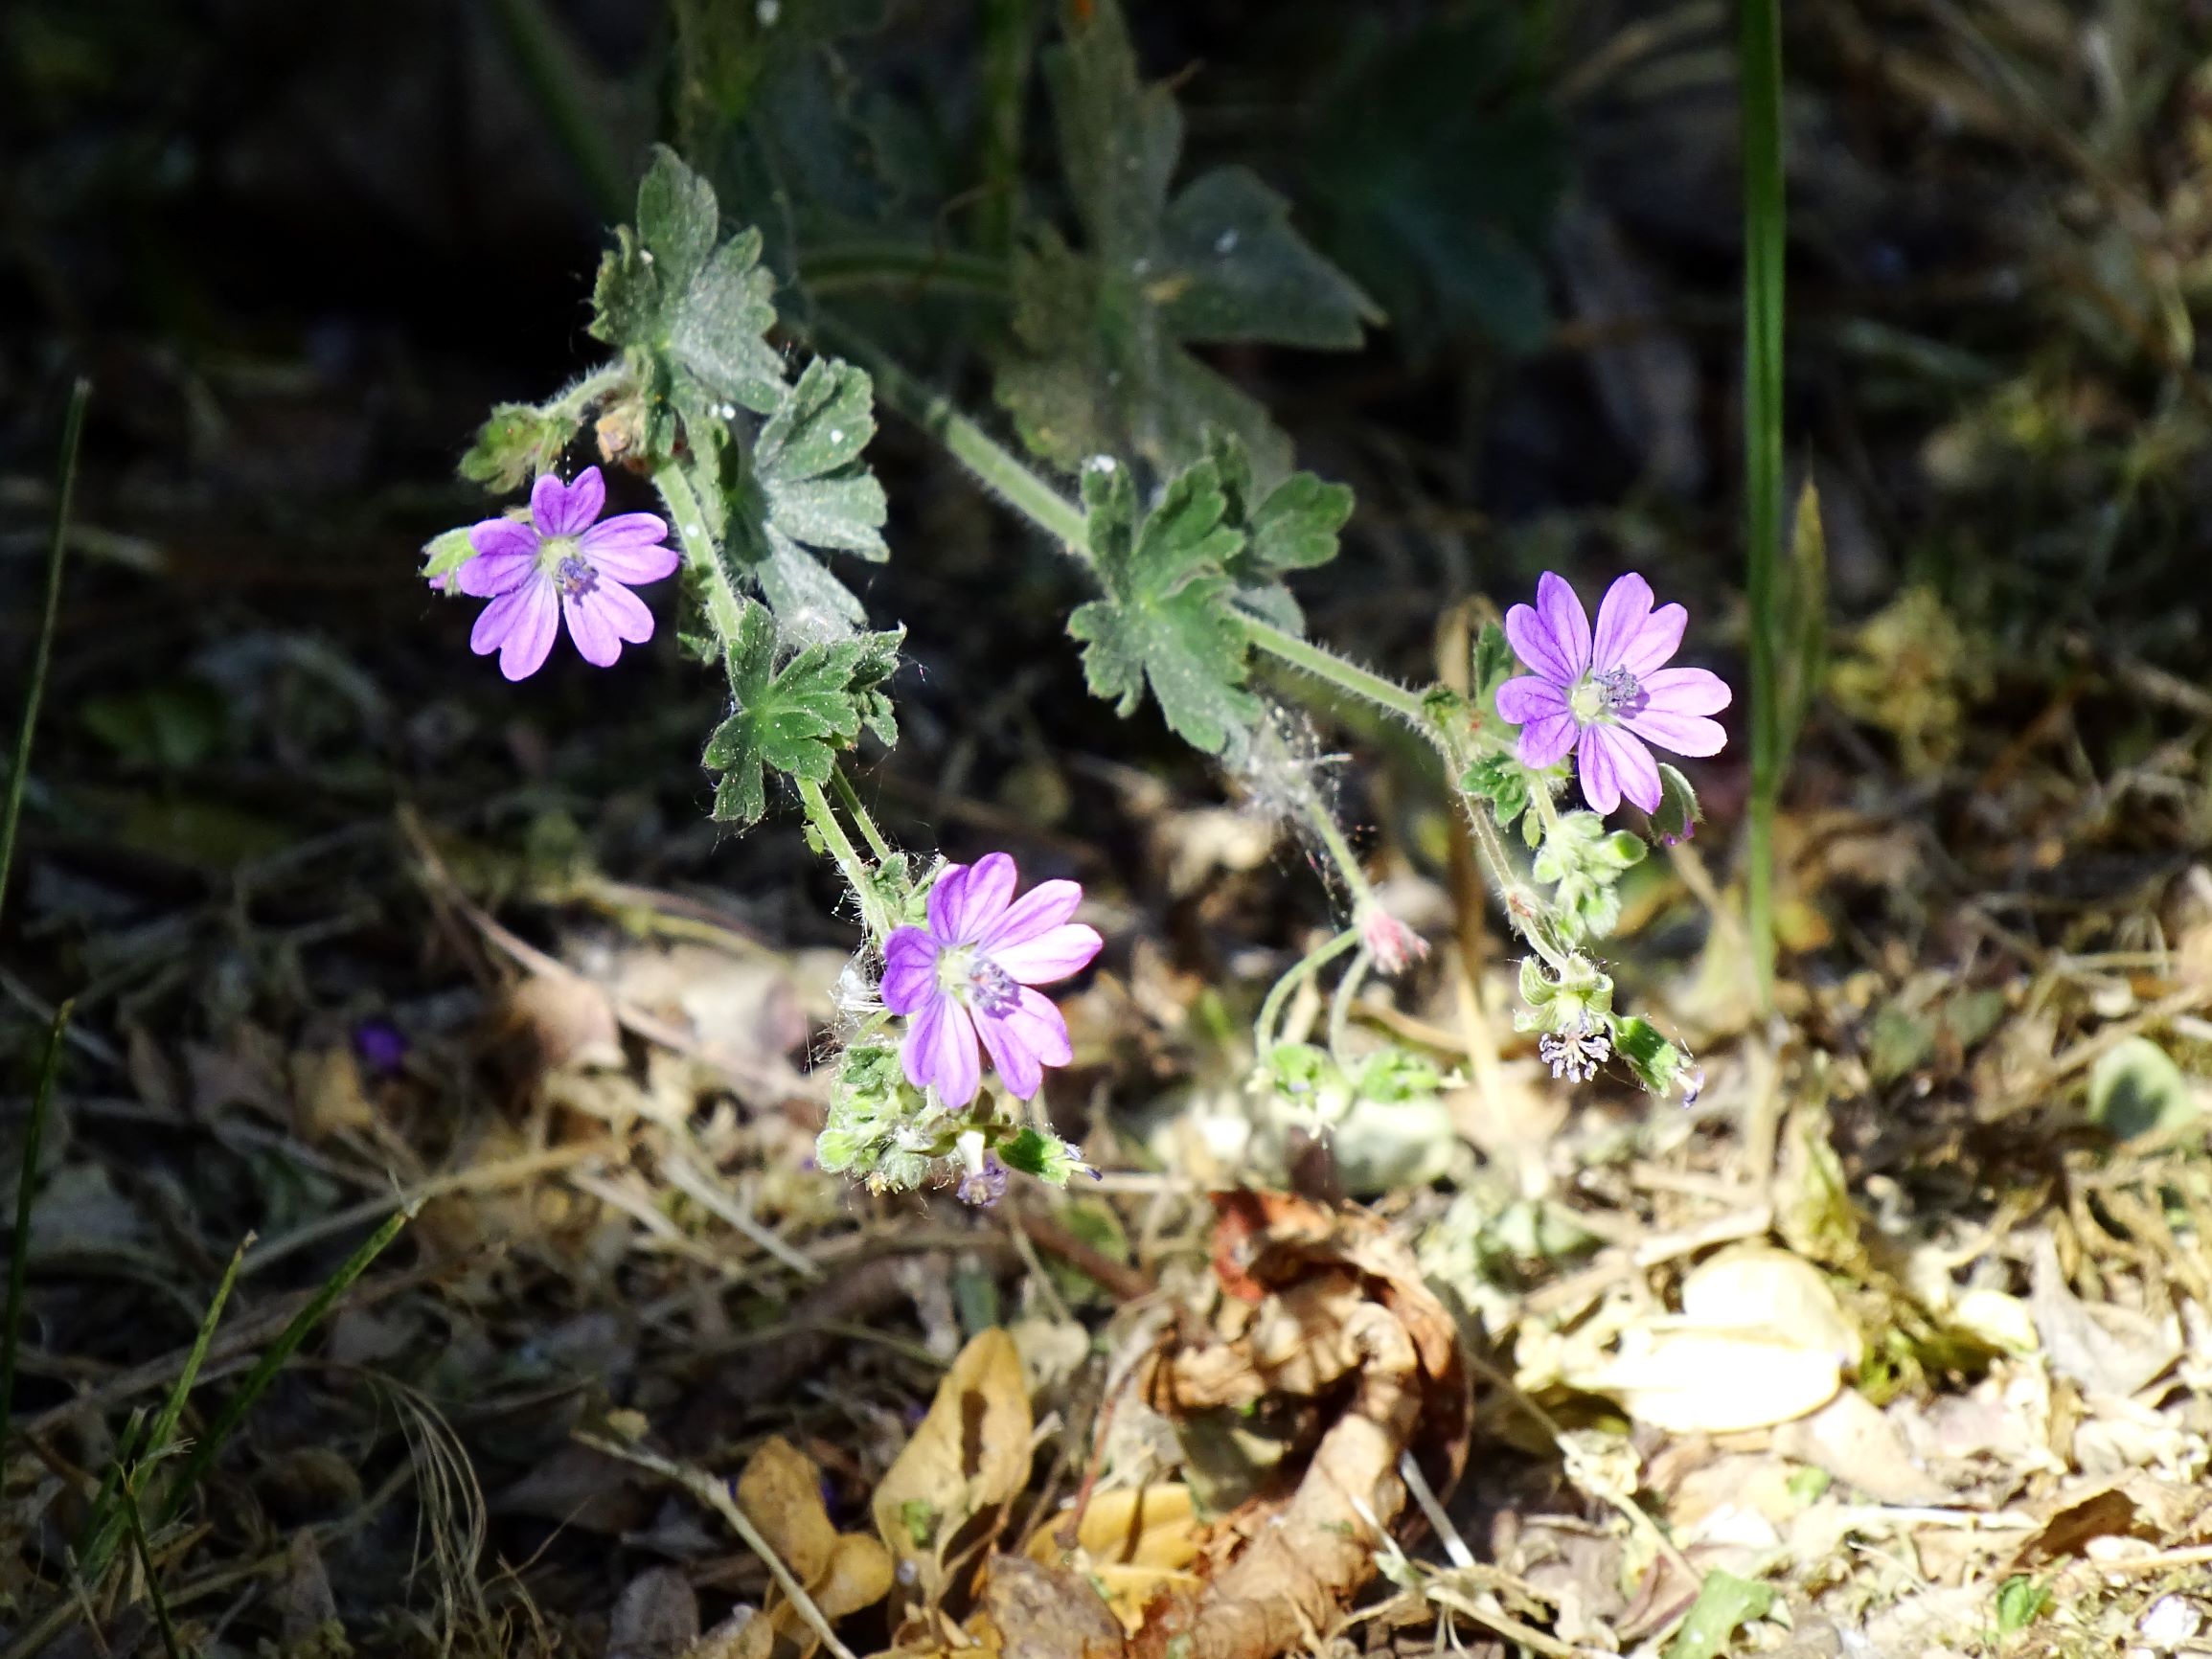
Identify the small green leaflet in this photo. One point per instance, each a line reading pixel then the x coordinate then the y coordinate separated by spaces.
pixel 807 487
pixel 1295 526
pixel 702 312
pixel 1102 365
pixel 1166 620
pixel 446 552
pixel 795 718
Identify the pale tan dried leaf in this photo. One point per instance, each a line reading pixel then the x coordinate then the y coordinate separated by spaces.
pixel 780 1493
pixel 970 1457
pixel 1761 1290
pixel 1690 1379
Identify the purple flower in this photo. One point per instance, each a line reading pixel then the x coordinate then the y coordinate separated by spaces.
pixel 1607 696
pixel 969 974
pixel 562 563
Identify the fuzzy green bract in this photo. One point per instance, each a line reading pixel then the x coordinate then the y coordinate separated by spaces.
pixel 796 718
pixel 1165 621
pixel 1102 331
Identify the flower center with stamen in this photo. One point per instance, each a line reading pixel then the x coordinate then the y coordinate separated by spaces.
pixel 979 982
pixel 1595 695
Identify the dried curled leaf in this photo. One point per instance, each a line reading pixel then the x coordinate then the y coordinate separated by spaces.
pixel 966 1461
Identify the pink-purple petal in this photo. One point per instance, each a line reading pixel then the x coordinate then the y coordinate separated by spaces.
pixel 632 553
pixel 1039 910
pixel 1620 617
pixel 909 968
pixel 940 1052
pixel 591 625
pixel 1632 770
pixel 1656 642
pixel 519 625
pixel 1545 741
pixel 1024 1040
pixel 1525 632
pixel 498 535
pixel 1564 621
pixel 1048 956
pixel 1531 697
pixel 1683 691
pixel 1678 733
pixel 491 574
pixel 1594 766
pixel 969 899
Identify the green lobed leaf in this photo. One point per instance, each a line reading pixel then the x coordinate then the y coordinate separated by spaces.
pixel 1237 271
pixel 665 290
pixel 793 718
pixel 1295 526
pixel 1102 367
pixel 807 489
pixel 1166 620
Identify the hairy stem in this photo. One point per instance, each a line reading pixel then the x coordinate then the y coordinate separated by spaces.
pixel 1279 994
pixel 850 798
pixel 997 468
pixel 725 608
pixel 1346 676
pixel 1340 1004
pixel 1339 851
pixel 849 860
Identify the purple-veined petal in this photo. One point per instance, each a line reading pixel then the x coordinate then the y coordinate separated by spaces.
pixel 1545 742
pixel 1679 692
pixel 1678 733
pixel 909 968
pixel 1565 621
pixel 1632 770
pixel 491 574
pixel 1594 766
pixel 629 548
pixel 1051 955
pixel 1024 1040
pixel 1525 631
pixel 1531 697
pixel 940 1052
pixel 616 609
pixel 498 535
pixel 1655 641
pixel 1621 615
pixel 560 509
pixel 591 625
pixel 1039 910
pixel 519 625
pixel 969 899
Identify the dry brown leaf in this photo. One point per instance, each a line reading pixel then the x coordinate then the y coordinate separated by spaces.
pixel 655 1617
pixel 2108 1349
pixel 1041 1612
pixel 568 1021
pixel 1851 1440
pixel 327 1094
pixel 1135 1543
pixel 967 1459
pixel 1297 1264
pixel 780 1493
